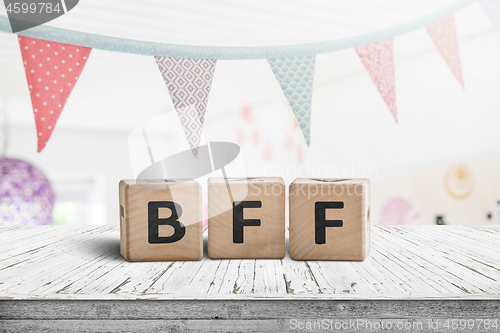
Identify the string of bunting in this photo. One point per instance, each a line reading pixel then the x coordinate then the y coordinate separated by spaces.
pixel 53 67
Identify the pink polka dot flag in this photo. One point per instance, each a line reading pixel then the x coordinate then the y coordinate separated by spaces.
pixel 444 36
pixel 378 59
pixel 52 70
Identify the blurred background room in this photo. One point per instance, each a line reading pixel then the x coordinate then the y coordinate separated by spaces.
pixel 437 165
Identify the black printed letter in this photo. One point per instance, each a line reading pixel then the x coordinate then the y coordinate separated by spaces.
pixel 239 222
pixel 320 219
pixel 154 221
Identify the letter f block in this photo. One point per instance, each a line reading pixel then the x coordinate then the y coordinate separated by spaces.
pixel 246 218
pixel 329 219
pixel 161 220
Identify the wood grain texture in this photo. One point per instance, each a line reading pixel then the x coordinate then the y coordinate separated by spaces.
pixel 265 241
pixel 406 263
pixel 348 235
pixel 261 309
pixel 73 279
pixel 134 202
pixel 233 325
pixel 243 316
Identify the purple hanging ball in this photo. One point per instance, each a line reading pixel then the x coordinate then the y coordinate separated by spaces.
pixel 26 197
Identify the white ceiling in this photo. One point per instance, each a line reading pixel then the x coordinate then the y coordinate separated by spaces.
pixel 241 22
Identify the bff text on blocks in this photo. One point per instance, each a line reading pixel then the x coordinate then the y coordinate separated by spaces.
pixel 329 219
pixel 246 218
pixel 161 220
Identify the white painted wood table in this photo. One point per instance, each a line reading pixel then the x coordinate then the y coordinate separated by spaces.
pixel 57 278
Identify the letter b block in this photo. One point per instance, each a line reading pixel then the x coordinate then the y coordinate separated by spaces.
pixel 246 218
pixel 161 220
pixel 329 219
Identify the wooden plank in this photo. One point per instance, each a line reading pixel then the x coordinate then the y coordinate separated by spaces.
pixel 64 259
pixel 142 276
pixel 201 279
pixel 298 276
pixel 482 234
pixel 134 278
pixel 299 279
pixel 180 279
pixel 42 246
pixel 245 316
pixel 22 238
pixel 245 281
pixel 330 279
pixel 402 274
pixel 273 325
pixel 412 262
pixel 245 309
pixel 37 244
pixel 432 259
pixel 402 265
pixel 269 277
pixel 450 238
pixel 351 277
pixel 381 278
pixel 461 255
pixel 85 277
pixel 226 282
pixel 142 326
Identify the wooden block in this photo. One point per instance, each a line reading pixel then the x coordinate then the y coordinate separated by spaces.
pixel 329 219
pixel 246 219
pixel 161 220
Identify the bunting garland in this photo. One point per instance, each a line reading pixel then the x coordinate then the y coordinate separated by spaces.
pixel 52 70
pixel 444 36
pixel 188 82
pixel 378 60
pixel 296 78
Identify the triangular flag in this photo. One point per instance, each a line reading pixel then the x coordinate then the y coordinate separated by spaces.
pixel 492 10
pixel 188 82
pixel 444 36
pixel 296 78
pixel 52 70
pixel 378 59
